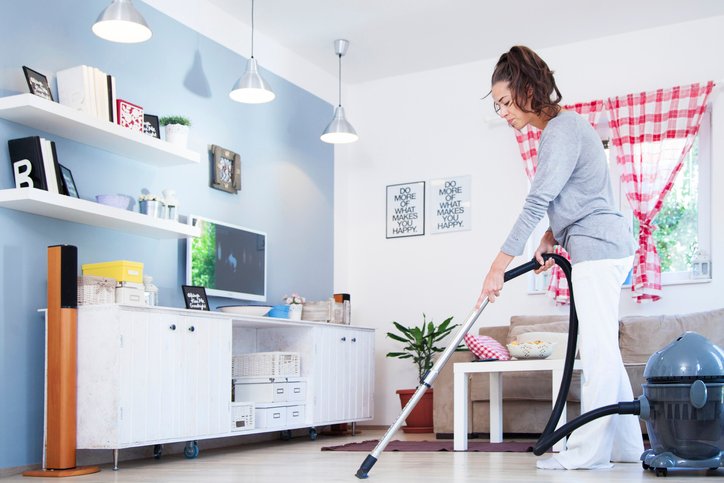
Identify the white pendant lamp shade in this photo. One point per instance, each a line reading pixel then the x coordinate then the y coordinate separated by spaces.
pixel 121 22
pixel 339 130
pixel 251 88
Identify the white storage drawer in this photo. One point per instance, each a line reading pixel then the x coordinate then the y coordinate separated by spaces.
pixel 295 415
pixel 242 416
pixel 270 392
pixel 272 417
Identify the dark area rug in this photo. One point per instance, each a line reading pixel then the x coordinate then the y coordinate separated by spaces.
pixel 436 445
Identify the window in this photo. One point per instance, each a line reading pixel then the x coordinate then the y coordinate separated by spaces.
pixel 684 222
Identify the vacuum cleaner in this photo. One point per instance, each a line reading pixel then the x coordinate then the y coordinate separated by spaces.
pixel 682 404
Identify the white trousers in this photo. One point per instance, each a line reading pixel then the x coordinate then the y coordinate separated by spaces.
pixel 596 292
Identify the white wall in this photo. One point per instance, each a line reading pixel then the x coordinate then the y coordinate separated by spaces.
pixel 432 124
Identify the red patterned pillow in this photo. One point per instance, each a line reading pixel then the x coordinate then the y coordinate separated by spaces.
pixel 484 347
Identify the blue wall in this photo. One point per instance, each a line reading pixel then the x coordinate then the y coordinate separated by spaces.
pixel 287 180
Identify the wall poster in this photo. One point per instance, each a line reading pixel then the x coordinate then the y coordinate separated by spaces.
pixel 450 204
pixel 406 209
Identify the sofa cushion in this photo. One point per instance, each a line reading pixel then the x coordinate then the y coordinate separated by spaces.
pixel 641 335
pixel 540 323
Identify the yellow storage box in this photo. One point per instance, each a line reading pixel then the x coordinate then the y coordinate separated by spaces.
pixel 121 270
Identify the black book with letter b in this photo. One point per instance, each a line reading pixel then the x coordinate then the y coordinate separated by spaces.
pixel 26 157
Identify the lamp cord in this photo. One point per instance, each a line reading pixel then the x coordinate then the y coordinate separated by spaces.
pixel 340 79
pixel 252 29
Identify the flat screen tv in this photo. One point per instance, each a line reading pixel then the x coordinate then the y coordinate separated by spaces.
pixel 227 260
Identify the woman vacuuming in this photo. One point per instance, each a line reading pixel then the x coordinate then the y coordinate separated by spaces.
pixel 572 185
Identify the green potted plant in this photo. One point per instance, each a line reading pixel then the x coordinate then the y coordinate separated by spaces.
pixel 420 346
pixel 176 129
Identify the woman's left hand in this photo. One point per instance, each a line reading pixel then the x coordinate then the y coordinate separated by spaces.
pixel 547 245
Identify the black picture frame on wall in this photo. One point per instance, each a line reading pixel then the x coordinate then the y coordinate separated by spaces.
pixel 151 127
pixel 38 84
pixel 405 209
pixel 225 169
pixel 195 297
pixel 69 187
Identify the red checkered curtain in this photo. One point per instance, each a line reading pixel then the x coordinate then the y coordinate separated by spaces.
pixel 528 139
pixel 641 124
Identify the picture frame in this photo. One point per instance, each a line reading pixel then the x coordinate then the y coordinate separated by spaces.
pixel 38 84
pixel 225 169
pixel 66 177
pixel 195 297
pixel 151 126
pixel 405 209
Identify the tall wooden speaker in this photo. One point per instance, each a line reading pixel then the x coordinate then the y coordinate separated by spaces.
pixel 61 365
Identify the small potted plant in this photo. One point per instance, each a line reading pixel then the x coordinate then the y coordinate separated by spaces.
pixel 176 129
pixel 296 304
pixel 420 345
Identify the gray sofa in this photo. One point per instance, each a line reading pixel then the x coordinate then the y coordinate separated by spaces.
pixel 527 396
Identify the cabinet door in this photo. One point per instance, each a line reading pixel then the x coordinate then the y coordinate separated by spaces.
pixel 331 381
pixel 361 374
pixel 205 359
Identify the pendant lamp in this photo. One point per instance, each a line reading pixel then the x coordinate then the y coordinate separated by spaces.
pixel 121 22
pixel 339 130
pixel 251 88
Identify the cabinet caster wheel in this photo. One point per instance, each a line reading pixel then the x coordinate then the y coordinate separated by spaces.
pixel 312 434
pixel 191 450
pixel 661 471
pixel 157 451
pixel 285 435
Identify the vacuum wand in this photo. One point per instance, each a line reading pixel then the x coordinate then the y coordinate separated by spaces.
pixel 430 377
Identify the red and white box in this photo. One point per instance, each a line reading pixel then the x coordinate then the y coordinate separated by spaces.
pixel 130 115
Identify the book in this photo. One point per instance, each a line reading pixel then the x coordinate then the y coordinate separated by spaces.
pixel 62 188
pixel 74 89
pixel 51 179
pixel 112 113
pixel 26 156
pixel 101 86
pixel 130 115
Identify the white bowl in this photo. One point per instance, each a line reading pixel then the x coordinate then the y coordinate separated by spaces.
pixel 531 350
pixel 258 310
pixel 123 202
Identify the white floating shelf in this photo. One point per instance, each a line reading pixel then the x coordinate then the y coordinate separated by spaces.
pixel 41 202
pixel 55 118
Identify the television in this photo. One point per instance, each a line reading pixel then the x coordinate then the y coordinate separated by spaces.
pixel 227 260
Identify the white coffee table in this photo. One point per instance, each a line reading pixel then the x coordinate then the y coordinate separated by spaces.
pixel 461 370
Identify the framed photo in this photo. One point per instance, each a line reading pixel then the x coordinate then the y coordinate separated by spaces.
pixel 38 84
pixel 68 183
pixel 195 297
pixel 225 169
pixel 406 209
pixel 151 126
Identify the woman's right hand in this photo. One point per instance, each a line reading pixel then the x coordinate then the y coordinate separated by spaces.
pixel 493 283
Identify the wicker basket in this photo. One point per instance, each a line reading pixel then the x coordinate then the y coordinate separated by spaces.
pixel 94 290
pixel 266 364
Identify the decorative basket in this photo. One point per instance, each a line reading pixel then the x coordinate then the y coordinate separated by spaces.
pixel 318 311
pixel 94 290
pixel 266 364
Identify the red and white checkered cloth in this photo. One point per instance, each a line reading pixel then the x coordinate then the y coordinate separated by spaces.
pixel 528 139
pixel 648 119
pixel 485 347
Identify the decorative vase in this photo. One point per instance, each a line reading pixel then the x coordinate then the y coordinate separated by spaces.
pixel 177 134
pixel 420 419
pixel 295 311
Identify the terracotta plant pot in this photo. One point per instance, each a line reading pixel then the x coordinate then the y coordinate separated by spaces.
pixel 420 419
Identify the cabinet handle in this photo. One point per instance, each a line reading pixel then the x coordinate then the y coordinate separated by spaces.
pixel 344 339
pixel 172 326
pixel 192 328
pixel 354 339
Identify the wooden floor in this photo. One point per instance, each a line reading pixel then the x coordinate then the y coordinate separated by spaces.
pixel 300 460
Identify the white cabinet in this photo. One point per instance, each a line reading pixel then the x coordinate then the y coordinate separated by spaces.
pixel 153 375
pixel 343 374
pixel 150 376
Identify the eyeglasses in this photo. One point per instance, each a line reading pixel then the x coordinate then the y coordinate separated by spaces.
pixel 497 107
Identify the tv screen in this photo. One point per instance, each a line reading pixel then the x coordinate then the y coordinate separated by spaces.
pixel 227 260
